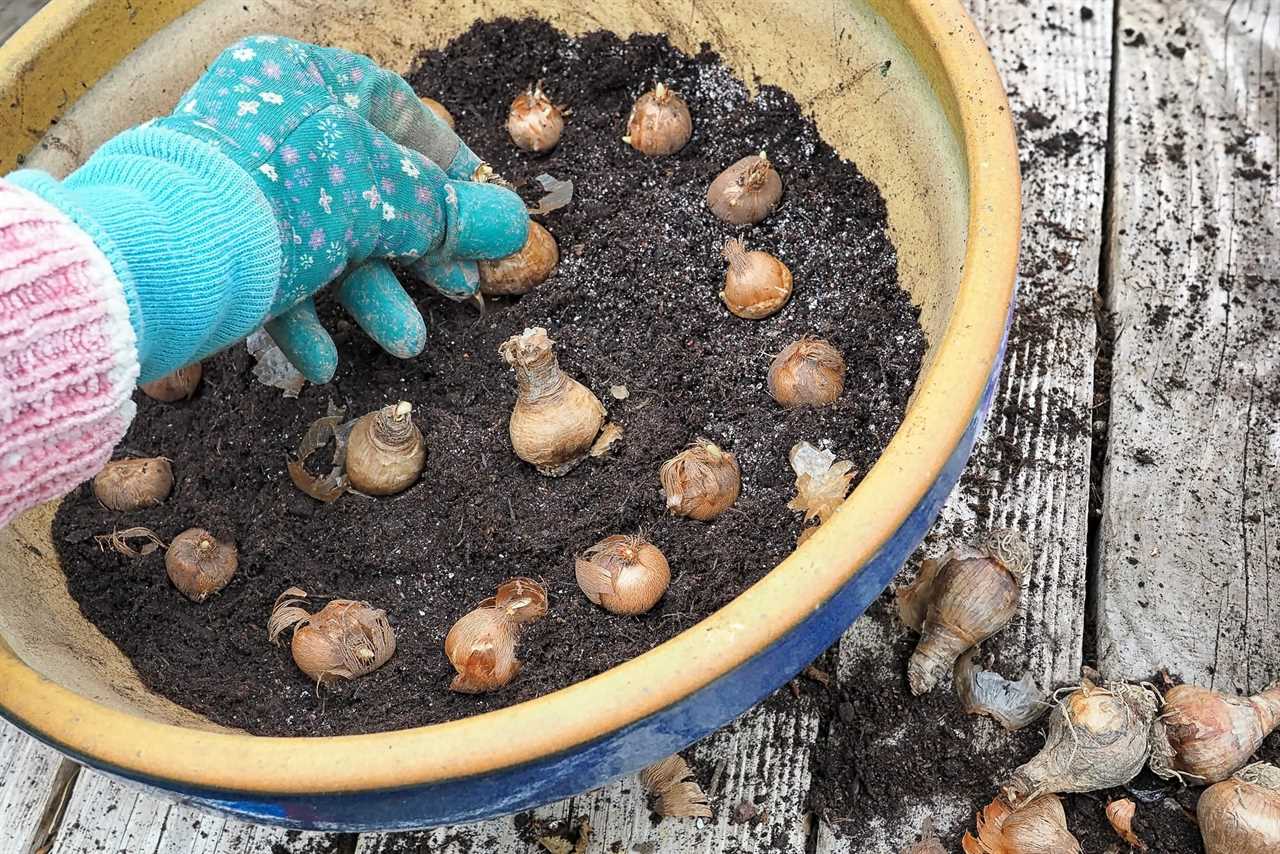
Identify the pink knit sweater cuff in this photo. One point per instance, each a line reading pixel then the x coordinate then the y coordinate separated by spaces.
pixel 68 356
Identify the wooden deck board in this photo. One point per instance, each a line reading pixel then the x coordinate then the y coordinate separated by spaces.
pixel 1189 554
pixel 31 777
pixel 1031 467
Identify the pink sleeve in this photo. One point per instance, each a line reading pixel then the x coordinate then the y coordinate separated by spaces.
pixel 68 361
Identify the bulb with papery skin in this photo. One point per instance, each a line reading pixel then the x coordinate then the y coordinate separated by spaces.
pixel 623 574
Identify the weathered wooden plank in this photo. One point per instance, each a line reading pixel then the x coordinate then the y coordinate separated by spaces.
pixel 32 778
pixel 501 834
pixel 1189 529
pixel 1030 469
pixel 105 817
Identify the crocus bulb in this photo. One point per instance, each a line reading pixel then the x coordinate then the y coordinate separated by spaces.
pixel 623 574
pixel 179 385
pixel 659 122
pixel 756 284
pixel 671 791
pixel 746 192
pixel 385 453
pixel 808 372
pixel 1037 827
pixel 534 123
pixel 127 485
pixel 439 110
pixel 1242 815
pixel 198 564
pixel 482 645
pixel 522 599
pixel 556 418
pixel 1208 735
pixel 522 272
pixel 1097 739
pixel 974 593
pixel 346 639
pixel 701 482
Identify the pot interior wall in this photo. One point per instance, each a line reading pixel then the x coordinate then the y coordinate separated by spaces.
pixel 868 77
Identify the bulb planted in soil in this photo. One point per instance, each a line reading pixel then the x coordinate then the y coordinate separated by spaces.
pixel 199 565
pixel 127 485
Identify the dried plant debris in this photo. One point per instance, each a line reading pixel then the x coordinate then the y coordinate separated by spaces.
pixel 1120 813
pixel 121 542
pixel 609 435
pixel 1037 827
pixel 573 841
pixel 822 481
pixel 273 368
pixel 671 792
pixel 985 692
pixel 929 842
pixel 327 488
pixel 558 194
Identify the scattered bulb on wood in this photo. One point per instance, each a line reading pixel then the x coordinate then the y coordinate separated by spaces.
pixel 985 692
pixel 385 453
pixel 929 842
pixel 1208 735
pixel 329 487
pixel 481 646
pixel 623 574
pixel 746 192
pixel 671 792
pixel 534 123
pixel 1038 827
pixel 199 565
pixel 659 122
pixel 808 372
pixel 756 284
pixel 179 385
pixel 1097 739
pixel 701 482
pixel 961 600
pixel 608 437
pixel 121 541
pixel 345 639
pixel 127 485
pixel 439 109
pixel 822 481
pixel 556 418
pixel 1242 815
pixel 522 272
pixel 1120 813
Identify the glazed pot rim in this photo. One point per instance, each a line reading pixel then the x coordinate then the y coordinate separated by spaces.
pixel 948 396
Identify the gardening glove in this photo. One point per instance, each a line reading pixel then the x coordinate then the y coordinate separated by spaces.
pixel 287 166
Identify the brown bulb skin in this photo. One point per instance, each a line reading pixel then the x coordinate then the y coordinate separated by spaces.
pixel 1211 735
pixel 179 385
pixel 808 372
pixel 623 575
pixel 659 123
pixel 756 284
pixel 385 454
pixel 701 482
pixel 534 123
pixel 746 192
pixel 199 565
pixel 520 273
pixel 128 485
pixel 1242 815
pixel 438 109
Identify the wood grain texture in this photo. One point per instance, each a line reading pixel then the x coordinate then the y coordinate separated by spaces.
pixel 1030 470
pixel 1189 554
pixel 32 777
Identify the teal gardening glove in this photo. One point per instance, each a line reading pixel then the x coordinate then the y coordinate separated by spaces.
pixel 285 167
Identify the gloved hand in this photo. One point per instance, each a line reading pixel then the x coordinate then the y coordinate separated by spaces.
pixel 285 166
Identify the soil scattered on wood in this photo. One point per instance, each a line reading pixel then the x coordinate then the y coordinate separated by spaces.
pixel 634 302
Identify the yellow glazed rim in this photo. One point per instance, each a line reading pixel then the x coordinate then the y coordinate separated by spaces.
pixel 48 53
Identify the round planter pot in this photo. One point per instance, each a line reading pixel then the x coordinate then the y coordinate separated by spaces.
pixel 905 88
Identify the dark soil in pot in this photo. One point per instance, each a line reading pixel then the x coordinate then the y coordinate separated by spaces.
pixel 634 301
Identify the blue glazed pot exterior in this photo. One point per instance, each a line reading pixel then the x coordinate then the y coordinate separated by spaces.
pixel 624 751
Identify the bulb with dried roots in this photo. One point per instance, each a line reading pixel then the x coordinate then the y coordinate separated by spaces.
pixel 385 453
pixel 556 418
pixel 756 284
pixel 1242 815
pixel 534 123
pixel 808 372
pixel 1209 735
pixel 520 273
pixel 701 482
pixel 625 575
pixel 128 485
pixel 199 565
pixel 659 122
pixel 346 639
pixel 481 645
pixel 746 192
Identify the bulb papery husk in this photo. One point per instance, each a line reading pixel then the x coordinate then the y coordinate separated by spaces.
pixel 520 273
pixel 972 595
pixel 198 564
pixel 523 599
pixel 1097 739
pixel 659 122
pixel 985 692
pixel 556 418
pixel 746 192
pixel 132 484
pixel 439 110
pixel 1241 815
pixel 671 791
pixel 482 648
pixel 346 639
pixel 822 481
pixel 385 452
pixel 701 482
pixel 1208 735
pixel 623 574
pixel 756 284
pixel 1120 815
pixel 1038 827
pixel 179 385
pixel 534 123
pixel 928 843
pixel 330 427
pixel 808 372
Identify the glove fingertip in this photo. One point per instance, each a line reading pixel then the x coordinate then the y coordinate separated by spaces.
pixel 492 221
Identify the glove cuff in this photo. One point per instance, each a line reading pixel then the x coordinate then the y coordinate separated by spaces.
pixel 189 234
